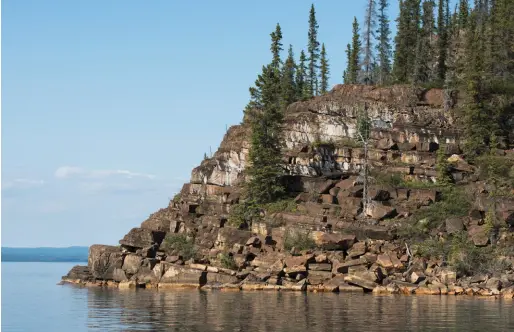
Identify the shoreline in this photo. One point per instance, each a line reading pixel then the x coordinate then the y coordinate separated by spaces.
pixel 394 288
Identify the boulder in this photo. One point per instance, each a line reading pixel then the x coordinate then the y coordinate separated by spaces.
pixel 347 183
pixel 325 186
pixel 139 238
pixel 78 272
pixel 228 236
pixel 220 278
pixel 132 263
pixel 358 249
pixel 292 261
pixel 386 144
pixel 447 277
pixel 378 211
pixel 417 277
pixel 102 260
pixel 158 221
pixel 179 276
pixel 318 277
pixel 320 267
pixel 360 281
pixel 342 286
pixel 479 235
pixel 454 225
pixel 378 194
pixel 423 196
pixel 327 199
pixel 333 241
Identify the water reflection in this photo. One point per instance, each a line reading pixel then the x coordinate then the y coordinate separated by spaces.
pixel 188 310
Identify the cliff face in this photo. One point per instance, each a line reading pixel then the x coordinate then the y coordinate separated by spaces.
pixel 321 161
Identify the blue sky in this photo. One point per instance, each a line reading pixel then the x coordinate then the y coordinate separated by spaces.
pixel 108 105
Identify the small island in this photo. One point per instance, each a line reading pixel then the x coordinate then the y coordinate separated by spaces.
pixel 399 181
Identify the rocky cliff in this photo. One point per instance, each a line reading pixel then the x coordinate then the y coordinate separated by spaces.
pixel 316 241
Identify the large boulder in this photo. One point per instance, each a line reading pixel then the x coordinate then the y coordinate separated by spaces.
pixel 102 261
pixel 132 263
pixel 159 221
pixel 78 272
pixel 179 276
pixel 333 241
pixel 139 238
pixel 228 236
pixel 379 211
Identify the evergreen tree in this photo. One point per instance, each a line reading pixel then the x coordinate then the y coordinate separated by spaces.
pixel 476 118
pixel 442 39
pixel 369 34
pixel 302 89
pixel 425 54
pixel 463 13
pixel 384 43
pixel 276 46
pixel 406 40
pixel 442 167
pixel 313 49
pixel 346 73
pixel 353 66
pixel 324 70
pixel 265 168
pixel 289 89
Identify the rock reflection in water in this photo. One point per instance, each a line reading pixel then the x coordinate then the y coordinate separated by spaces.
pixel 188 310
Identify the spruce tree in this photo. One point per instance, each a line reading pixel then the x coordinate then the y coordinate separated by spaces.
pixel 369 34
pixel 442 39
pixel 346 73
pixel 406 40
pixel 425 54
pixel 353 67
pixel 463 13
pixel 301 81
pixel 265 168
pixel 276 46
pixel 324 70
pixel 384 43
pixel 313 49
pixel 289 89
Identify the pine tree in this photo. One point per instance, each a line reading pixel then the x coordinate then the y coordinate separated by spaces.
pixel 442 39
pixel 276 46
pixel 288 89
pixel 265 168
pixel 346 73
pixel 369 34
pixel 425 54
pixel 301 82
pixel 384 43
pixel 353 67
pixel 324 70
pixel 313 49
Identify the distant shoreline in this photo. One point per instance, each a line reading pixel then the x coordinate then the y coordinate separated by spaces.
pixel 45 255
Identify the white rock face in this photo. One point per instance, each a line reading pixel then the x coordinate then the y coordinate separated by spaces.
pixel 316 132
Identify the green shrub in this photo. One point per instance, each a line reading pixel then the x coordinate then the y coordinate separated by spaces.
pixel 283 205
pixel 180 244
pixel 454 202
pixel 243 214
pixel 298 239
pixel 227 261
pixel 177 198
pixel 463 256
pixel 347 142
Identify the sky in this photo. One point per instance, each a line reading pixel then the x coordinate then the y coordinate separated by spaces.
pixel 108 105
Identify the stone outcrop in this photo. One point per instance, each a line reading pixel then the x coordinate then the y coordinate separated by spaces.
pixel 190 243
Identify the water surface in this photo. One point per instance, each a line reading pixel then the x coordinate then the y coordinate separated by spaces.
pixel 31 301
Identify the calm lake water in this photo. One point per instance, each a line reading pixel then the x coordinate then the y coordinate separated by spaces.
pixel 31 301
